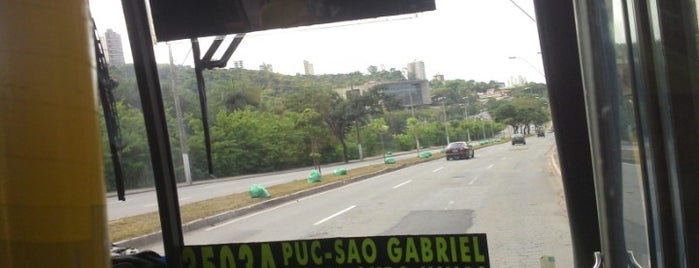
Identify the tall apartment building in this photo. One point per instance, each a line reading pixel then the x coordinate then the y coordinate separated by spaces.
pixel 308 68
pixel 238 64
pixel 517 81
pixel 416 71
pixel 113 48
pixel 438 77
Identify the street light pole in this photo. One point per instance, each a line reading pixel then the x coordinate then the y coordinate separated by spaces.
pixel 528 63
pixel 180 123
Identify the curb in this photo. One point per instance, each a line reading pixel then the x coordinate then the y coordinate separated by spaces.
pixel 554 161
pixel 553 158
pixel 250 176
pixel 141 241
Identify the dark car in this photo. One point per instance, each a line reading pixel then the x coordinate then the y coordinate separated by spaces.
pixel 459 150
pixel 540 133
pixel 518 139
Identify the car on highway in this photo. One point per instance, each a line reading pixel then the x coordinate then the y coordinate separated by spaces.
pixel 540 133
pixel 518 139
pixel 459 150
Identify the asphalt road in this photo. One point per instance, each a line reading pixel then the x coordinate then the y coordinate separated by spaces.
pixel 144 201
pixel 508 192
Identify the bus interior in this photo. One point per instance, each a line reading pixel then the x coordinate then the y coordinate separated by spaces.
pixel 622 79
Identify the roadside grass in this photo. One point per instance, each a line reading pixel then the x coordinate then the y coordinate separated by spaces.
pixel 139 225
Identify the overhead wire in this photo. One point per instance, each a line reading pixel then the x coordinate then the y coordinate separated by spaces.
pixel 523 11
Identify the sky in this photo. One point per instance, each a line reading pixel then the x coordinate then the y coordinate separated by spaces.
pixel 478 40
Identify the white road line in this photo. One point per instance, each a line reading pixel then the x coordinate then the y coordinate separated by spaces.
pixel 212 186
pixel 404 183
pixel 379 176
pixel 472 181
pixel 248 216
pixel 440 168
pixel 292 202
pixel 334 215
pixel 489 167
pixel 449 205
pixel 348 185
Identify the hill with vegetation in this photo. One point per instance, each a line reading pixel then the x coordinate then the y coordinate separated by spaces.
pixel 261 121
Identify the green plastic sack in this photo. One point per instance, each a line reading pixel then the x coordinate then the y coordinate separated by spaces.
pixel 442 150
pixel 314 176
pixel 340 171
pixel 389 160
pixel 257 191
pixel 425 155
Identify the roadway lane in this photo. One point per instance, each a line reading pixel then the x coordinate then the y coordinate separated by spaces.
pixel 146 201
pixel 508 192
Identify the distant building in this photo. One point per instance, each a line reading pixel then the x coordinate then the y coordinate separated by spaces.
pixel 410 93
pixel 438 77
pixel 308 68
pixel 355 89
pixel 517 81
pixel 114 51
pixel 238 64
pixel 493 93
pixel 416 71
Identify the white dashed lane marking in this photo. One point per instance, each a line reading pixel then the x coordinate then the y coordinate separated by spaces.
pixel 404 183
pixel 334 215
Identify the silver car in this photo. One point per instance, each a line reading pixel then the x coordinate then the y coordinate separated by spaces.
pixel 518 139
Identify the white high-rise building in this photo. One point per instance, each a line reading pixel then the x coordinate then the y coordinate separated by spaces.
pixel 308 68
pixel 114 51
pixel 416 71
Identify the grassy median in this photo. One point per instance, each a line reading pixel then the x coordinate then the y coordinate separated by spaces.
pixel 135 226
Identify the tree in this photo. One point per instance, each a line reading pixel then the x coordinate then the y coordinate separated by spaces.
pixel 379 126
pixel 507 114
pixel 522 112
pixel 345 112
pixel 414 126
pixel 372 70
pixel 307 121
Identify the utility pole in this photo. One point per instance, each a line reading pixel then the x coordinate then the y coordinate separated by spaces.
pixel 446 122
pixel 412 111
pixel 180 125
pixel 412 106
pixel 465 111
pixel 359 140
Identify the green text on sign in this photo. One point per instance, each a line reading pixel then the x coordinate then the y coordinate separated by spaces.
pixel 461 250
